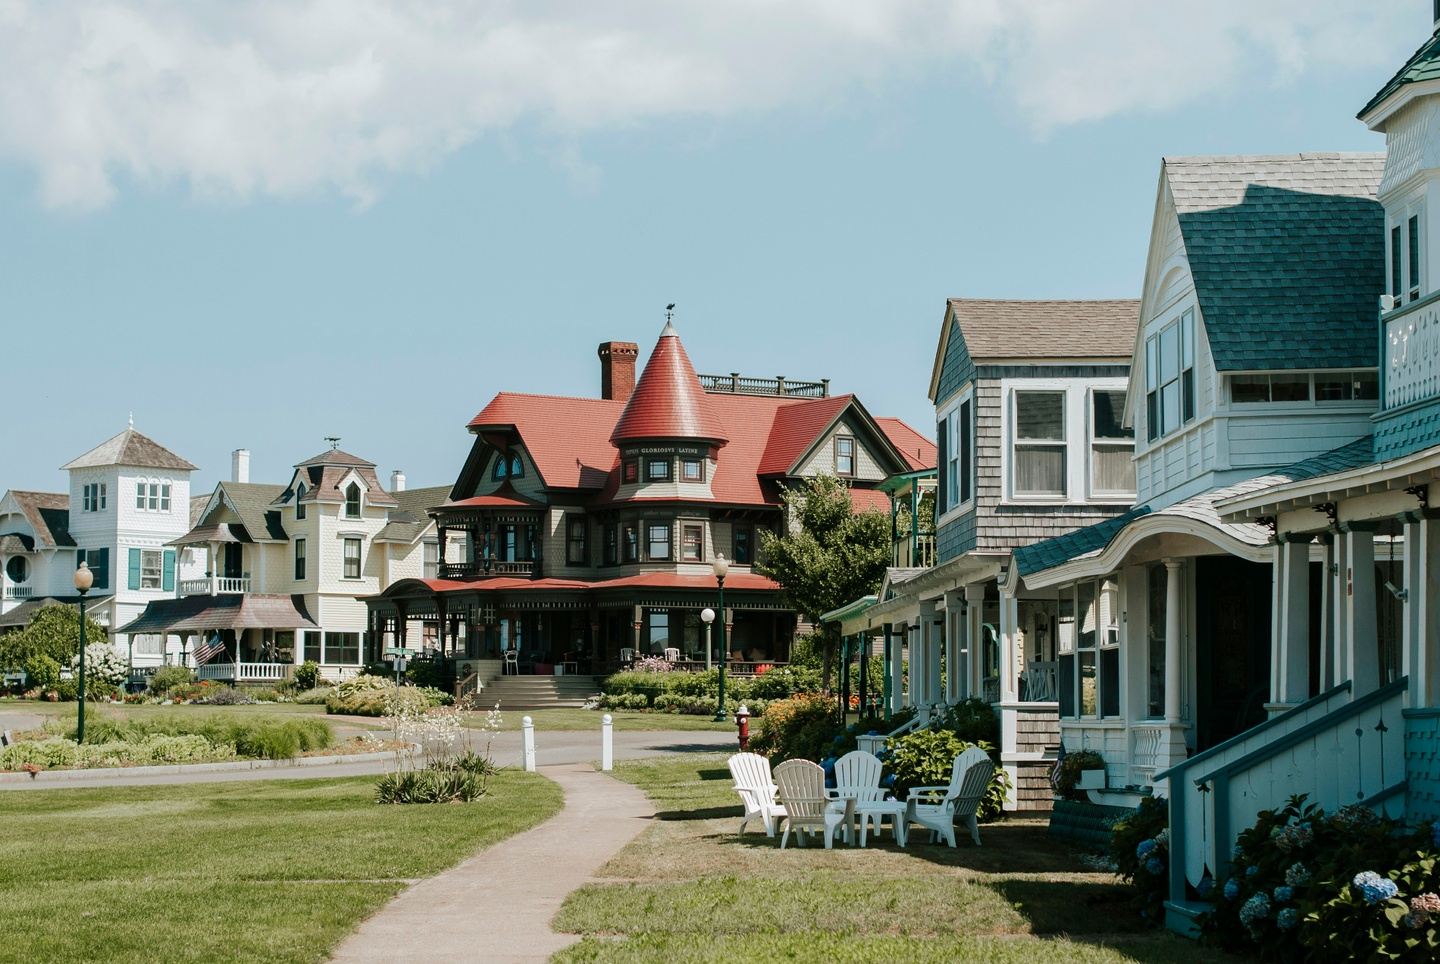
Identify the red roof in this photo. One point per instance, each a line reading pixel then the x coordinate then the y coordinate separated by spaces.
pixel 668 402
pixel 796 428
pixel 671 580
pixel 493 501
pixel 869 500
pixel 568 439
pixel 918 450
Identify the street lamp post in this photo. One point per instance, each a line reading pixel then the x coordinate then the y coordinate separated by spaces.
pixel 84 579
pixel 721 567
pixel 707 616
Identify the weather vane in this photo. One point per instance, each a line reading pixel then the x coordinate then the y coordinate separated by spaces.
pixel 334 441
pixel 669 311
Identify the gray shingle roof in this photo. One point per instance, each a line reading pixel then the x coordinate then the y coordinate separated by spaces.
pixel 251 502
pixel 1423 65
pixel 130 448
pixel 48 514
pixel 996 328
pixel 1287 253
pixel 410 519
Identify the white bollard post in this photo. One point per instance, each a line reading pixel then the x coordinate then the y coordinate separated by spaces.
pixel 527 730
pixel 607 743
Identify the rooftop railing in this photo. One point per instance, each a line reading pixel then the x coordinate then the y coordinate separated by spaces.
pixel 737 384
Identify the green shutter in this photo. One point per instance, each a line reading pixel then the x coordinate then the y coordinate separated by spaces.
pixel 942 431
pixel 99 560
pixel 134 568
pixel 169 573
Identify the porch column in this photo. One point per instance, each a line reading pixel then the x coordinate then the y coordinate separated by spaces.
pixel 975 639
pixel 904 654
pixel 895 669
pixel 953 608
pixel 214 568
pixel 930 629
pixel 1422 608
pixel 1327 611
pixel 1010 654
pixel 1290 671
pixel 1174 571
pixel 1362 642
pixel 638 621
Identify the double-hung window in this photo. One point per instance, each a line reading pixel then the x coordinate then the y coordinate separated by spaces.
pixel 657 540
pixel 1038 456
pixel 742 545
pixel 612 549
pixel 844 456
pixel 1412 235
pixel 958 455
pixel 93 497
pixel 577 530
pixel 1112 445
pixel 352 558
pixel 300 559
pixel 352 501
pixel 1089 649
pixel 1170 376
pixel 299 505
pixel 692 542
pixel 152 569
pixel 430 564
pixel 1397 261
pixel 630 542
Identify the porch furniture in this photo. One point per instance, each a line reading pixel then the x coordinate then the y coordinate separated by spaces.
pixel 1037 682
pixel 937 808
pixel 756 786
pixel 627 656
pixel 512 663
pixel 801 785
pixel 857 778
pixel 672 655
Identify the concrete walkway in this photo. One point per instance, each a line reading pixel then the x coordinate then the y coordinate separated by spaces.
pixel 496 907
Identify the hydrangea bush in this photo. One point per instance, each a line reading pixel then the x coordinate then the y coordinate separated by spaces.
pixel 1140 850
pixel 103 664
pixel 1344 886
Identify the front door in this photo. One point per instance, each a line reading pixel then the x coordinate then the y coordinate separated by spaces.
pixel 1232 622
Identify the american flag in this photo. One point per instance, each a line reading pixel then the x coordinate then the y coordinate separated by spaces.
pixel 208 650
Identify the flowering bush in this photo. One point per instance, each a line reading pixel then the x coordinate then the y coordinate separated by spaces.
pixel 445 767
pixel 1067 771
pixel 1348 885
pixel 803 727
pixel 652 664
pixel 374 696
pixel 925 758
pixel 1140 850
pixel 103 664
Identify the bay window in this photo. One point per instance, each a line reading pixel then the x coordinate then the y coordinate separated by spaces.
pixel 692 542
pixel 1089 649
pixel 577 531
pixel 1038 454
pixel 657 540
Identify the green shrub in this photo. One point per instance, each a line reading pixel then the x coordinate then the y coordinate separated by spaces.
pixel 265 694
pixel 624 701
pixel 1140 850
pixel 314 697
pixel 783 682
pixel 144 751
pixel 306 675
pixel 42 670
pixel 433 673
pixel 373 695
pixel 229 696
pixel 925 758
pixel 973 721
pixel 803 726
pixel 634 682
pixel 449 785
pixel 167 678
pixel 264 737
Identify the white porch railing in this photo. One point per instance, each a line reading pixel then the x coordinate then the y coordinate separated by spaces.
pixel 215 585
pixel 1412 354
pixel 1334 750
pixel 19 592
pixel 1146 744
pixel 248 672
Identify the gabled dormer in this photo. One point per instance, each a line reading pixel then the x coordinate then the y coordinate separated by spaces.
pixel 338 483
pixel 1256 345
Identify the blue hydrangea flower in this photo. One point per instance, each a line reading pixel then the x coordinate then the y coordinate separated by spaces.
pixel 1373 887
pixel 1205 887
pixel 1155 865
pixel 1255 910
pixel 1251 871
pixel 1298 875
pixel 1283 894
pixel 889 780
pixel 1145 849
pixel 1232 889
pixel 1287 918
pixel 1163 837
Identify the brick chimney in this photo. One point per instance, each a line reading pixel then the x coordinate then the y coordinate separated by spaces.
pixel 617 369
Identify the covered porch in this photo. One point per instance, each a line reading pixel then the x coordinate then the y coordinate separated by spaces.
pixel 249 638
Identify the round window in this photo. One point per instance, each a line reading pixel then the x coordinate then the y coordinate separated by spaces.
pixel 18 569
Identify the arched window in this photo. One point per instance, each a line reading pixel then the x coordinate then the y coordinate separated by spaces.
pixel 498 472
pixel 299 506
pixel 352 501
pixel 517 467
pixel 507 466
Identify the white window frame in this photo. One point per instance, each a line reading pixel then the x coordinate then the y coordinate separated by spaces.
pixel 1175 318
pixel 950 414
pixel 1312 403
pixel 430 567
pixel 1077 440
pixel 159 556
pixel 1092 443
pixel 1411 288
pixel 359 541
pixel 153 495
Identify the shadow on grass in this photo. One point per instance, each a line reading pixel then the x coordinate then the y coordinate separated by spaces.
pixel 706 813
pixel 682 748
pixel 1073 907
pixel 1007 847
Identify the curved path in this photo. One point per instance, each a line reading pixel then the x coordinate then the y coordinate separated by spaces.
pixel 496 906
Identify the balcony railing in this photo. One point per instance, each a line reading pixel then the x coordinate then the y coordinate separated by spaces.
pixel 1412 353
pixel 472 570
pixel 215 586
pixel 737 384
pixel 248 672
pixel 19 592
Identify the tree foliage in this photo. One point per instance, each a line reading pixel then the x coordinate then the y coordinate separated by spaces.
pixel 52 637
pixel 829 556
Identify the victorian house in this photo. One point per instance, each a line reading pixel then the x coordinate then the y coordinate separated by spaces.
pixel 287 564
pixel 590 524
pixel 127 499
pixel 1029 399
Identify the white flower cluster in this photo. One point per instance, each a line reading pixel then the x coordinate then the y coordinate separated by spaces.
pixel 103 663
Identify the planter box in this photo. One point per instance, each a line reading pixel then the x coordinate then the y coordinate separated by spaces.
pixel 1090 780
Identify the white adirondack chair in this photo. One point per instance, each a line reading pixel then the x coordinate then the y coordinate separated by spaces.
pixel 756 786
pixel 672 655
pixel 627 656
pixel 857 777
pixel 802 793
pixel 937 808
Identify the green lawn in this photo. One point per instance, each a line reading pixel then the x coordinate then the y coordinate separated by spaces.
pixel 571 720
pixel 690 890
pixel 263 871
pixel 143 709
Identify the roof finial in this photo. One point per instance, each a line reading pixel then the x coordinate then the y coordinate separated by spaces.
pixel 132 420
pixel 669 318
pixel 334 441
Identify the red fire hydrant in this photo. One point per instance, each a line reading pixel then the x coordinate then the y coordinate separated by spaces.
pixel 742 725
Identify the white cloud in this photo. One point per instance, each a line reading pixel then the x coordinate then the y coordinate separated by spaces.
pixel 288 97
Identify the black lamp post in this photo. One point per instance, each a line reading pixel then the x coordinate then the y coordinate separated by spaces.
pixel 721 567
pixel 84 579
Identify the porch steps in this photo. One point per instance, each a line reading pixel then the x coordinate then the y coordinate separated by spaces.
pixel 539 692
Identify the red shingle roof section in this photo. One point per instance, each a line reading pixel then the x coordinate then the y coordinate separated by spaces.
pixel 796 428
pixel 494 501
pixel 918 450
pixel 568 439
pixel 668 402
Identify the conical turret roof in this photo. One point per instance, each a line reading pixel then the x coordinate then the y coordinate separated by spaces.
pixel 668 402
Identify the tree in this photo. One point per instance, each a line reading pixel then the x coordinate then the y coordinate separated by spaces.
pixel 830 555
pixel 51 639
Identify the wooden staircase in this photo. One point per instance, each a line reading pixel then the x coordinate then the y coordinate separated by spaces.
pixel 538 692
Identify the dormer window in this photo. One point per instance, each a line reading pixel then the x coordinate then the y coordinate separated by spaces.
pixel 692 470
pixel 1170 376
pixel 352 501
pixel 507 467
pixel 658 470
pixel 300 506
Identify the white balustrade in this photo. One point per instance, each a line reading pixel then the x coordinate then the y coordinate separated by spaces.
pixel 19 592
pixel 1146 745
pixel 1412 355
pixel 215 585
pixel 249 672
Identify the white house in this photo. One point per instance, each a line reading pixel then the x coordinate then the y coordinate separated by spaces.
pixel 128 498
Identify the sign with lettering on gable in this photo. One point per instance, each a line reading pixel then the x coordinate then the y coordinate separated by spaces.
pixel 685 451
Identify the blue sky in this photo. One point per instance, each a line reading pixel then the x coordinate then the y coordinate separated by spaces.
pixel 276 287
